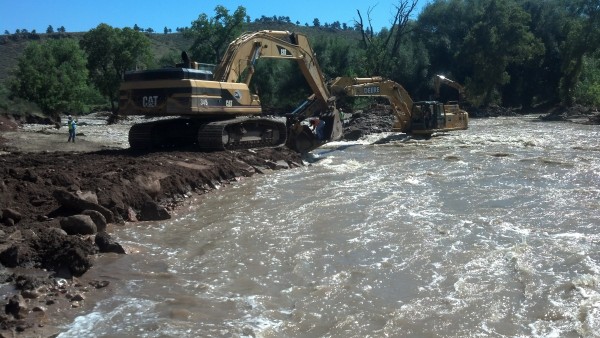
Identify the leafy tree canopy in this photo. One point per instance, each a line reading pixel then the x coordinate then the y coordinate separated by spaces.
pixel 111 52
pixel 212 35
pixel 53 75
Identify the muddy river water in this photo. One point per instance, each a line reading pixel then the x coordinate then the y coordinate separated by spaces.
pixel 492 231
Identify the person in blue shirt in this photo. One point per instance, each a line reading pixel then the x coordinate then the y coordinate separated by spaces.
pixel 318 126
pixel 72 126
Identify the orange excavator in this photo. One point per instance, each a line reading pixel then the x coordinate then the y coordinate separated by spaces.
pixel 213 108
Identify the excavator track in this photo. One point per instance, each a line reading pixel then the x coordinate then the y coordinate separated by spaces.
pixel 232 134
pixel 242 133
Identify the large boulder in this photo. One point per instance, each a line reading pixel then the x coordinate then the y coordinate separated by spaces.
pixel 78 225
pixel 89 196
pixel 151 211
pixel 105 243
pixel 98 219
pixel 16 306
pixel 10 216
pixel 78 205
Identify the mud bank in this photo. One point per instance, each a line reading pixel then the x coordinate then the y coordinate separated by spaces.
pixel 57 210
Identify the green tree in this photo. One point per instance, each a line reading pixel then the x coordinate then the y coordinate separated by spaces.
pixel 587 90
pixel 582 38
pixel 50 29
pixel 536 81
pixel 501 37
pixel 53 75
pixel 338 56
pixel 111 52
pixel 213 35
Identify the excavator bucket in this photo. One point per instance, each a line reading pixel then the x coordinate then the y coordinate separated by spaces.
pixel 302 139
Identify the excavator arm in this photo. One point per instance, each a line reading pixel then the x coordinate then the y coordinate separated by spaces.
pixel 398 97
pixel 237 64
pixel 438 80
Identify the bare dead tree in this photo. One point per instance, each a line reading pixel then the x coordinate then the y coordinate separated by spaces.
pixel 399 28
pixel 367 37
pixel 404 10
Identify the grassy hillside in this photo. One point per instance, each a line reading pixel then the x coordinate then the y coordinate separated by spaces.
pixel 162 44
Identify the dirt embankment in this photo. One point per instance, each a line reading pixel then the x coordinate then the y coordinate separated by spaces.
pixel 57 209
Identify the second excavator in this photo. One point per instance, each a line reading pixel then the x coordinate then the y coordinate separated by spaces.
pixel 416 118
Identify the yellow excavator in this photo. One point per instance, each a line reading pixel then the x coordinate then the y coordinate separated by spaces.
pixel 214 107
pixel 438 80
pixel 416 118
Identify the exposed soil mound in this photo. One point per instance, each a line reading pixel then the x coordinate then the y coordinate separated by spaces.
pixel 575 113
pixel 377 119
pixel 45 195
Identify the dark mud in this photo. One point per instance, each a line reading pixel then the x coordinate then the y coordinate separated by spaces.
pixel 55 207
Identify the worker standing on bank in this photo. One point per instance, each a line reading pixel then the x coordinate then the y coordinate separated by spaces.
pixel 72 127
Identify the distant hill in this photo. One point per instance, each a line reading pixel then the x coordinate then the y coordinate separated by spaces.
pixel 12 46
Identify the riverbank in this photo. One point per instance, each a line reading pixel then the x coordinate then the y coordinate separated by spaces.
pixel 57 209
pixel 46 180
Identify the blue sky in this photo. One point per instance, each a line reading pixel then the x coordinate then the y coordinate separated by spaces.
pixel 83 15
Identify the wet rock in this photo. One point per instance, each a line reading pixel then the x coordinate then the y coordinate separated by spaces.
pixel 278 165
pixel 99 284
pixel 31 294
pixel 72 262
pixel 98 219
pixel 89 196
pixel 151 211
pixel 262 170
pixel 58 231
pixel 78 298
pixel 353 135
pixel 78 225
pixel 39 309
pixel 14 256
pixel 16 306
pixel 11 214
pixel 131 216
pixel 105 243
pixel 71 201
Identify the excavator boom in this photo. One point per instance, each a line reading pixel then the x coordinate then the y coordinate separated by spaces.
pixel 438 80
pixel 238 61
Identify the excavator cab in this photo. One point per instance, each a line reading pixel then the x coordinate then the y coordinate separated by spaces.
pixel 426 115
pixel 432 116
